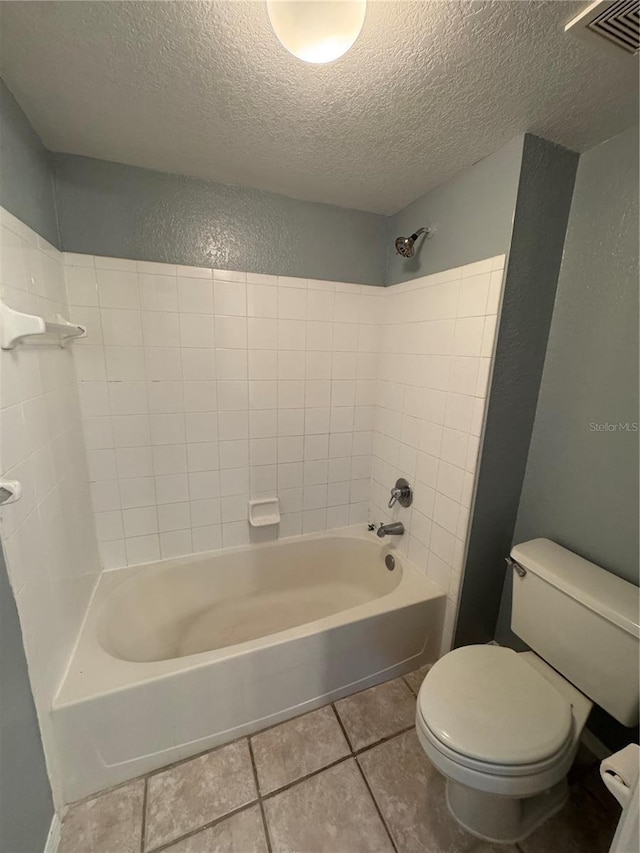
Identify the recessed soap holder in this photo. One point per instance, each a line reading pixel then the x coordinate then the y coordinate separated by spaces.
pixel 264 512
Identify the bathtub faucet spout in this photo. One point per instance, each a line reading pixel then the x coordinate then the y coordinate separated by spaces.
pixel 395 528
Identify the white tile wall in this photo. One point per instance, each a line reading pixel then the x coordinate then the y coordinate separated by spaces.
pixel 201 388
pixel 436 357
pixel 48 536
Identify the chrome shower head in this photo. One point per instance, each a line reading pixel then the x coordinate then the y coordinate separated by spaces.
pixel 405 246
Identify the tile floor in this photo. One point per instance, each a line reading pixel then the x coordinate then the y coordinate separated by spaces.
pixel 347 778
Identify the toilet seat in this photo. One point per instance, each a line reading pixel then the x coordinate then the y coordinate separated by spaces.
pixel 491 769
pixel 487 709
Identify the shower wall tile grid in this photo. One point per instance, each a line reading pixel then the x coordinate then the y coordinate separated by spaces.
pixel 199 388
pixel 202 388
pixel 436 356
pixel 48 535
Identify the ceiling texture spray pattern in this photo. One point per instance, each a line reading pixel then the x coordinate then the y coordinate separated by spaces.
pixel 206 89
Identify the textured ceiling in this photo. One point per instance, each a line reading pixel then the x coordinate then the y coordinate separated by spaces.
pixel 205 89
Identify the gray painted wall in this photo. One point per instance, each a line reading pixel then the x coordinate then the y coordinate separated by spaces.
pixel 581 486
pixel 110 209
pixel 123 211
pixel 542 210
pixel 473 213
pixel 26 807
pixel 26 177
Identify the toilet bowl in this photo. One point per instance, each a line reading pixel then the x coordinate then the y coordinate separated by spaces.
pixel 503 728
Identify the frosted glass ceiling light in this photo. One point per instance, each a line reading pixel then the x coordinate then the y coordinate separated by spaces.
pixel 317 30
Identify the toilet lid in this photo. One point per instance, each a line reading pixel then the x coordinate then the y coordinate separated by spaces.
pixel 486 703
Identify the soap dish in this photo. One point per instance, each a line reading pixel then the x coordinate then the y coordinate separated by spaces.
pixel 264 512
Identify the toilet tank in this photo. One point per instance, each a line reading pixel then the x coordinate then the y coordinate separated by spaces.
pixel 582 620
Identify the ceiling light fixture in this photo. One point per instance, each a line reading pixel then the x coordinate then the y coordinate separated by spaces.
pixel 317 30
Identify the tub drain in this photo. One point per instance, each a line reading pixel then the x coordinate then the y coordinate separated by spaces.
pixel 390 562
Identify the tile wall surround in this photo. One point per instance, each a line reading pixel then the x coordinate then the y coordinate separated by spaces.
pixel 436 358
pixel 202 388
pixel 196 389
pixel 48 536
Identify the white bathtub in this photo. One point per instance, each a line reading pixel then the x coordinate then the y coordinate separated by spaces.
pixel 179 656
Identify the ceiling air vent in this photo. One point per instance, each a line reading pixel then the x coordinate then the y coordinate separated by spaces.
pixel 618 22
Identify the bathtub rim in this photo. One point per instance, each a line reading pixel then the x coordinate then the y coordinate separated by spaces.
pixel 108 675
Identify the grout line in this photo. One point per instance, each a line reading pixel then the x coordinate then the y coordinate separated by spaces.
pixel 307 776
pixel 384 740
pixel 341 724
pixel 204 752
pixel 414 692
pixel 260 803
pixel 410 687
pixel 143 833
pixel 254 767
pixel 284 722
pixel 265 826
pixel 168 844
pixel 377 807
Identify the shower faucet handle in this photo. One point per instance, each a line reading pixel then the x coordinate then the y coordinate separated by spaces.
pixel 395 494
pixel 401 493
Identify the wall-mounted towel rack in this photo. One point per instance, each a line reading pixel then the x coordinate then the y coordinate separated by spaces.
pixel 17 327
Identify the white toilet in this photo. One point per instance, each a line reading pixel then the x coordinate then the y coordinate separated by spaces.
pixel 503 727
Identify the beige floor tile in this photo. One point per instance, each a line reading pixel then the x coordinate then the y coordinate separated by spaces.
pixel 411 796
pixel 192 794
pixel 240 833
pixel 329 813
pixel 298 747
pixel 581 827
pixel 110 823
pixel 414 679
pixel 377 713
